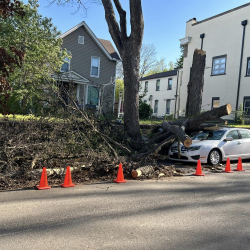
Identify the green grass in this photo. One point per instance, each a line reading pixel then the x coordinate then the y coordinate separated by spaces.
pixel 151 122
pixel 237 126
pixel 25 118
pixel 156 122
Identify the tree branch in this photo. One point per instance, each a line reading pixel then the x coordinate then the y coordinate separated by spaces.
pixel 136 20
pixel 123 19
pixel 114 29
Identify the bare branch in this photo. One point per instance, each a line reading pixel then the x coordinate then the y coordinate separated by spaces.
pixel 137 22
pixel 114 29
pixel 123 20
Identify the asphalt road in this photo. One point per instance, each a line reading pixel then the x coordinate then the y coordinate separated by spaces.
pixel 210 212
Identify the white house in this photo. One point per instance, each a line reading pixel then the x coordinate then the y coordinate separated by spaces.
pixel 226 40
pixel 161 91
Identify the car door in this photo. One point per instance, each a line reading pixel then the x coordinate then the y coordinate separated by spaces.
pixel 233 149
pixel 245 138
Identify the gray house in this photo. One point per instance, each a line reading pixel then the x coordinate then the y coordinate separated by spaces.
pixel 92 68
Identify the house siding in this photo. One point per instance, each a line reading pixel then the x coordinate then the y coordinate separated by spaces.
pixel 81 62
pixel 162 95
pixel 223 36
pixel 81 57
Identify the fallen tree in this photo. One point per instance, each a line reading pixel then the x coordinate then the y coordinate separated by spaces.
pixel 29 145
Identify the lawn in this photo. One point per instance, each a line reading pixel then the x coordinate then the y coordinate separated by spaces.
pixel 26 118
pixel 156 122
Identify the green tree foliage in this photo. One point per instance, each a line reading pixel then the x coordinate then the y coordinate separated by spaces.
pixel 179 61
pixel 38 38
pixel 145 111
pixel 160 66
pixel 119 87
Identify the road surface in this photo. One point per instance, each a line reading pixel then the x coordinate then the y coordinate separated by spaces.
pixel 210 212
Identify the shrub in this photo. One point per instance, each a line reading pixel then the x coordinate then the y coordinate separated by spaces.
pixel 145 111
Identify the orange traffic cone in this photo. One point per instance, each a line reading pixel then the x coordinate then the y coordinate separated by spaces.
pixel 43 182
pixel 67 181
pixel 228 167
pixel 239 166
pixel 120 178
pixel 198 169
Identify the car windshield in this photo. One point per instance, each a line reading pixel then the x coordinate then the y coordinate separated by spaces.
pixel 209 135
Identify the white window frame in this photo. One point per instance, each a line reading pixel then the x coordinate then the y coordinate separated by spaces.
pixel 246 98
pixel 170 85
pixel 168 101
pixel 98 67
pixel 248 66
pixel 156 106
pixel 69 52
pixel 158 81
pixel 146 87
pixel 81 37
pixel 215 99
pixel 219 65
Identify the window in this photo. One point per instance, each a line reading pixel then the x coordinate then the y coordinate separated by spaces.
pixel 170 83
pixel 245 134
pixel 248 66
pixel 157 85
pixel 156 106
pixel 146 87
pixel 93 95
pixel 215 102
pixel 95 67
pixel 66 65
pixel 81 39
pixel 145 101
pixel 234 134
pixel 219 65
pixel 168 106
pixel 246 105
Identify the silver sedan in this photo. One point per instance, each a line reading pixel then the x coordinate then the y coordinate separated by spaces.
pixel 215 146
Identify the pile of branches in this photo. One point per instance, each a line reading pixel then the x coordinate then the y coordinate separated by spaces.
pixel 119 142
pixel 97 145
pixel 27 145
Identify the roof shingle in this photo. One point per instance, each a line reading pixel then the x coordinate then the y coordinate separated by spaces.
pixel 109 47
pixel 160 75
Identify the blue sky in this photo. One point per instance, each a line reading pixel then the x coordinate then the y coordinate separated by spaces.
pixel 165 20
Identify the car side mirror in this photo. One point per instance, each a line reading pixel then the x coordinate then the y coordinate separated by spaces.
pixel 228 139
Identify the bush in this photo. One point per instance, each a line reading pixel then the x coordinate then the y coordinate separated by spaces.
pixel 240 115
pixel 145 111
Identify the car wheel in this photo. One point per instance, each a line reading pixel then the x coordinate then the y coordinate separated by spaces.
pixel 214 157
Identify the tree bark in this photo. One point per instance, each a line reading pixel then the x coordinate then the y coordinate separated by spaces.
pixel 196 83
pixel 129 48
pixel 194 124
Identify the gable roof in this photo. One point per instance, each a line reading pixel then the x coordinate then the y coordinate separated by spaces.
pixel 160 75
pixel 107 49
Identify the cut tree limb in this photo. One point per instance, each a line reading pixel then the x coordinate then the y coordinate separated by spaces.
pixel 194 124
pixel 142 171
pixel 179 132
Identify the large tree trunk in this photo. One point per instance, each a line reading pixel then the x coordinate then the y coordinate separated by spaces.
pixel 131 95
pixel 129 48
pixel 196 83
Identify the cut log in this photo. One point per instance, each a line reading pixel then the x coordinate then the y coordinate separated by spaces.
pixel 179 132
pixel 142 171
pixel 194 124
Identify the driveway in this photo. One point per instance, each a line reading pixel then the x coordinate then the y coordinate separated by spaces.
pixel 210 212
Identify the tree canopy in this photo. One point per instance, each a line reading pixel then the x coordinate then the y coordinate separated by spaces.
pixel 38 38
